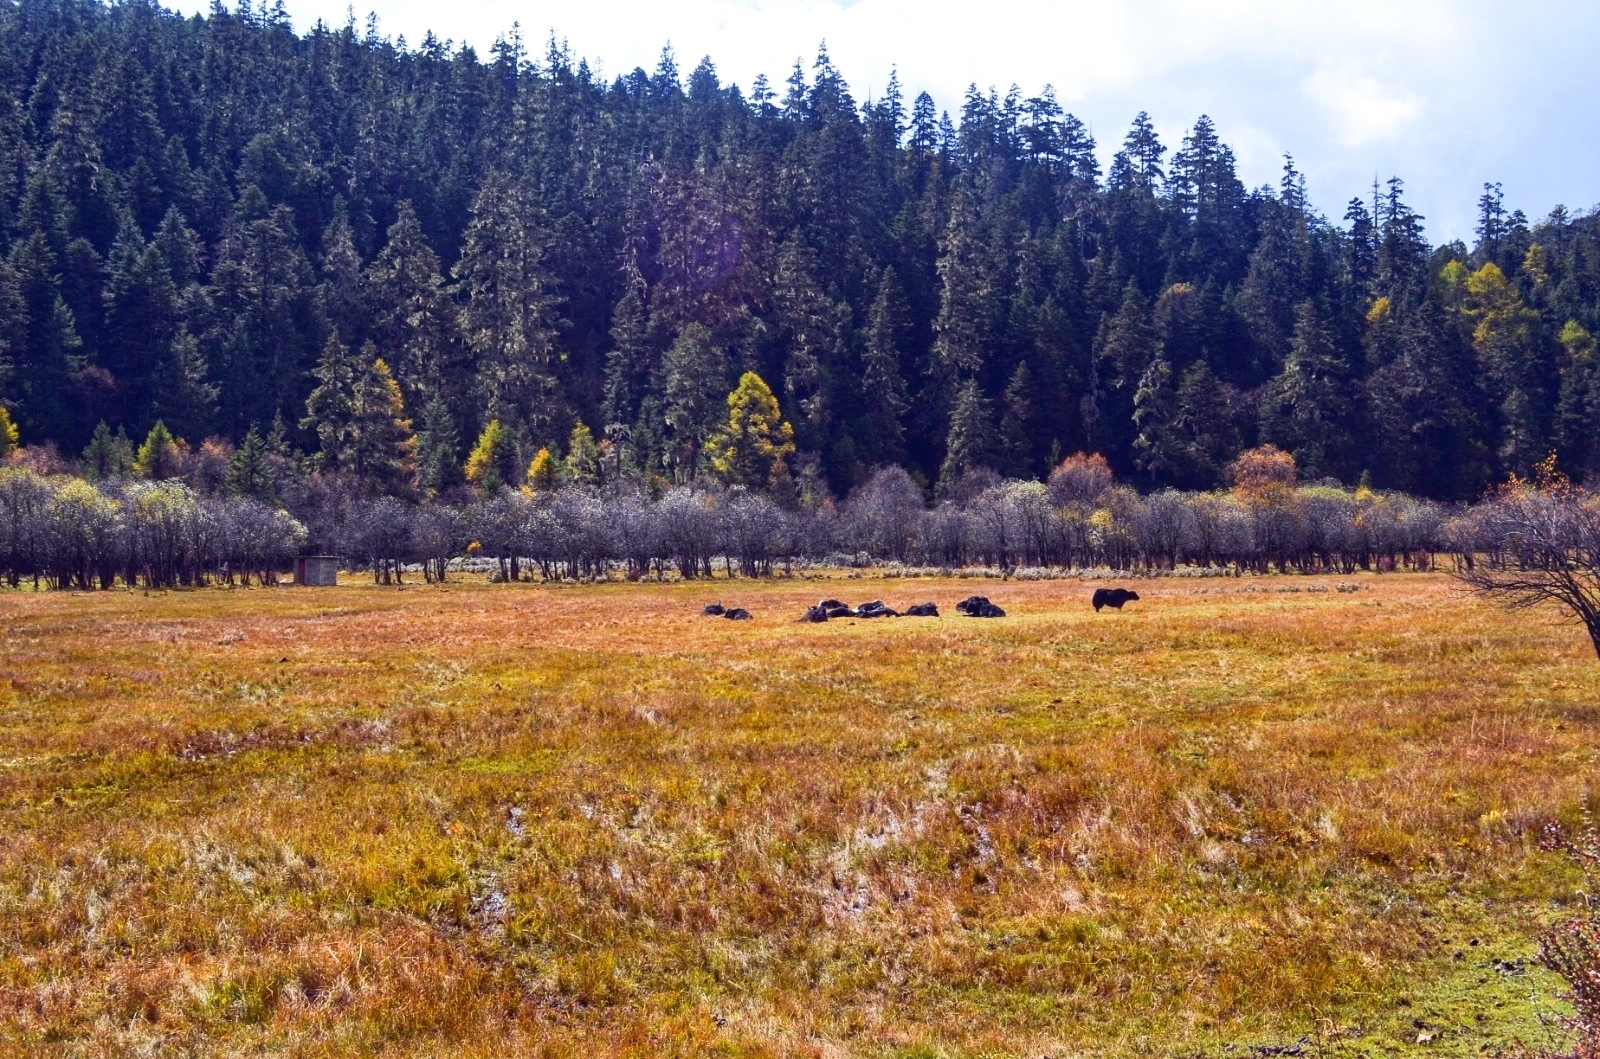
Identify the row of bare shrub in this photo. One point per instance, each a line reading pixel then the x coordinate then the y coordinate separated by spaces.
pixel 66 532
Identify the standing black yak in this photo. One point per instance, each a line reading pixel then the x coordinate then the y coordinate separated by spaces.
pixel 1113 597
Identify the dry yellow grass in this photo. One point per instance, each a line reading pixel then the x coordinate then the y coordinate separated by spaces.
pixel 506 819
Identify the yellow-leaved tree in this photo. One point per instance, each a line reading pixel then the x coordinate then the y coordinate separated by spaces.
pixel 9 438
pixel 751 449
pixel 493 460
pixel 544 473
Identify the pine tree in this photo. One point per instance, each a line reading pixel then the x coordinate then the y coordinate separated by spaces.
pixel 754 443
pixel 160 457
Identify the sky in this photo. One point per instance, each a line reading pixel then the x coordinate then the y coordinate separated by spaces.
pixel 1446 94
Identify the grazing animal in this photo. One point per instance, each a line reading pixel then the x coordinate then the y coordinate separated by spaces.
pixel 840 610
pixel 736 614
pixel 815 614
pixel 923 610
pixel 876 609
pixel 979 607
pixel 833 604
pixel 1113 597
pixel 712 610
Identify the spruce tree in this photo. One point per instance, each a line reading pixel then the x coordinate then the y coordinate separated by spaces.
pixel 108 455
pixel 696 371
pixel 1305 410
pixel 970 443
pixel 507 321
pixel 438 449
pixel 250 472
pixel 1019 422
pixel 883 384
pixel 1156 445
pixel 359 418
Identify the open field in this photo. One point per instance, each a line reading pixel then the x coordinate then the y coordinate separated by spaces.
pixel 495 819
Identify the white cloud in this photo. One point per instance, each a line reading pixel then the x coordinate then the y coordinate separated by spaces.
pixel 1361 108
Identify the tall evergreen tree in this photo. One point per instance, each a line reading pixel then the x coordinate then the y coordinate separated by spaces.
pixel 970 443
pixel 508 318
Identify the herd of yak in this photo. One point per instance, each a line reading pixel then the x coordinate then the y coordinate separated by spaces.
pixel 972 607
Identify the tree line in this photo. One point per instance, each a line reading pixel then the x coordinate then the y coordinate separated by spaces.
pixel 376 253
pixel 203 526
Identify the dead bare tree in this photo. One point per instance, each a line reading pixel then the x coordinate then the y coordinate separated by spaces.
pixel 1543 538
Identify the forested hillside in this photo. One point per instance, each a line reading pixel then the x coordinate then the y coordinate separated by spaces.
pixel 373 251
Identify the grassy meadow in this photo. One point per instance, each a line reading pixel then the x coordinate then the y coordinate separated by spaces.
pixel 474 819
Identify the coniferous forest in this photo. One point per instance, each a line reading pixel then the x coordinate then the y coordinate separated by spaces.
pixel 382 256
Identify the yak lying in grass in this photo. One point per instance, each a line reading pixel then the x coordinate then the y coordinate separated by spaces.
pixel 1113 597
pixel 736 614
pixel 833 608
pixel 712 610
pixel 979 607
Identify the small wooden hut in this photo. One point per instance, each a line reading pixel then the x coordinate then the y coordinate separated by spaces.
pixel 316 570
